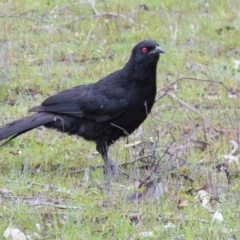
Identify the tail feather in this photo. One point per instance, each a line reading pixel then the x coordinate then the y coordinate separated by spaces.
pixel 26 124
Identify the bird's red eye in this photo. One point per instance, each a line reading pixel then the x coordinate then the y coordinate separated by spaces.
pixel 144 50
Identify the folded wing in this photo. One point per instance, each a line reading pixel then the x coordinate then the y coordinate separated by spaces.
pixel 100 102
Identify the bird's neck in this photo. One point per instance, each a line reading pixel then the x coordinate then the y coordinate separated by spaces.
pixel 140 72
pixel 141 75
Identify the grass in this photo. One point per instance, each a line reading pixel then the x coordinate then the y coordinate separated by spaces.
pixel 46 188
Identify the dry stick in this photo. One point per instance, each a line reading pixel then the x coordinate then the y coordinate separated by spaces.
pixel 109 14
pixel 191 108
pixel 115 15
pixel 183 103
pixel 25 18
pixel 61 206
pixel 31 183
pixel 142 182
pixel 165 153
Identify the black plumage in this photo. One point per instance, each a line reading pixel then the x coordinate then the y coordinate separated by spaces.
pixel 103 111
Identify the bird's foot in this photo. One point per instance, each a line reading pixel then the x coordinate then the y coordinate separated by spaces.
pixel 111 169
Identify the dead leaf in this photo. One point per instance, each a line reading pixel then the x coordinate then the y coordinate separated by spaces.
pixel 215 189
pixel 204 197
pixel 200 144
pixel 14 234
pixel 139 148
pixel 183 203
pixel 237 52
pixel 217 216
pixel 146 234
pixel 135 219
pixel 152 190
pixel 192 144
pixel 236 64
pixel 225 29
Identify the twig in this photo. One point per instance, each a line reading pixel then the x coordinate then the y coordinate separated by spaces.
pixel 183 103
pixel 31 183
pixel 165 153
pixel 115 15
pixel 108 14
pixel 61 206
pixel 136 160
pixel 128 176
pixel 144 181
pixel 166 92
pixel 24 16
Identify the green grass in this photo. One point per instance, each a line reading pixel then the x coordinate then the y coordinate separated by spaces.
pixel 48 46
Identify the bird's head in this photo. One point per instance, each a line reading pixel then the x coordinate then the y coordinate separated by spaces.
pixel 146 53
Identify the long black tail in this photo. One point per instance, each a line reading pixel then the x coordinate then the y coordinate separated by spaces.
pixel 23 125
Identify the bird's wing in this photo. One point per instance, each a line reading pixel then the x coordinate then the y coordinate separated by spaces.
pixel 101 102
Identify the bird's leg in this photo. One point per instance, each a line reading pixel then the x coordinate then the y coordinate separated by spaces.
pixel 110 168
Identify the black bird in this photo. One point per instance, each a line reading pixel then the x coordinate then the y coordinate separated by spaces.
pixel 104 111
